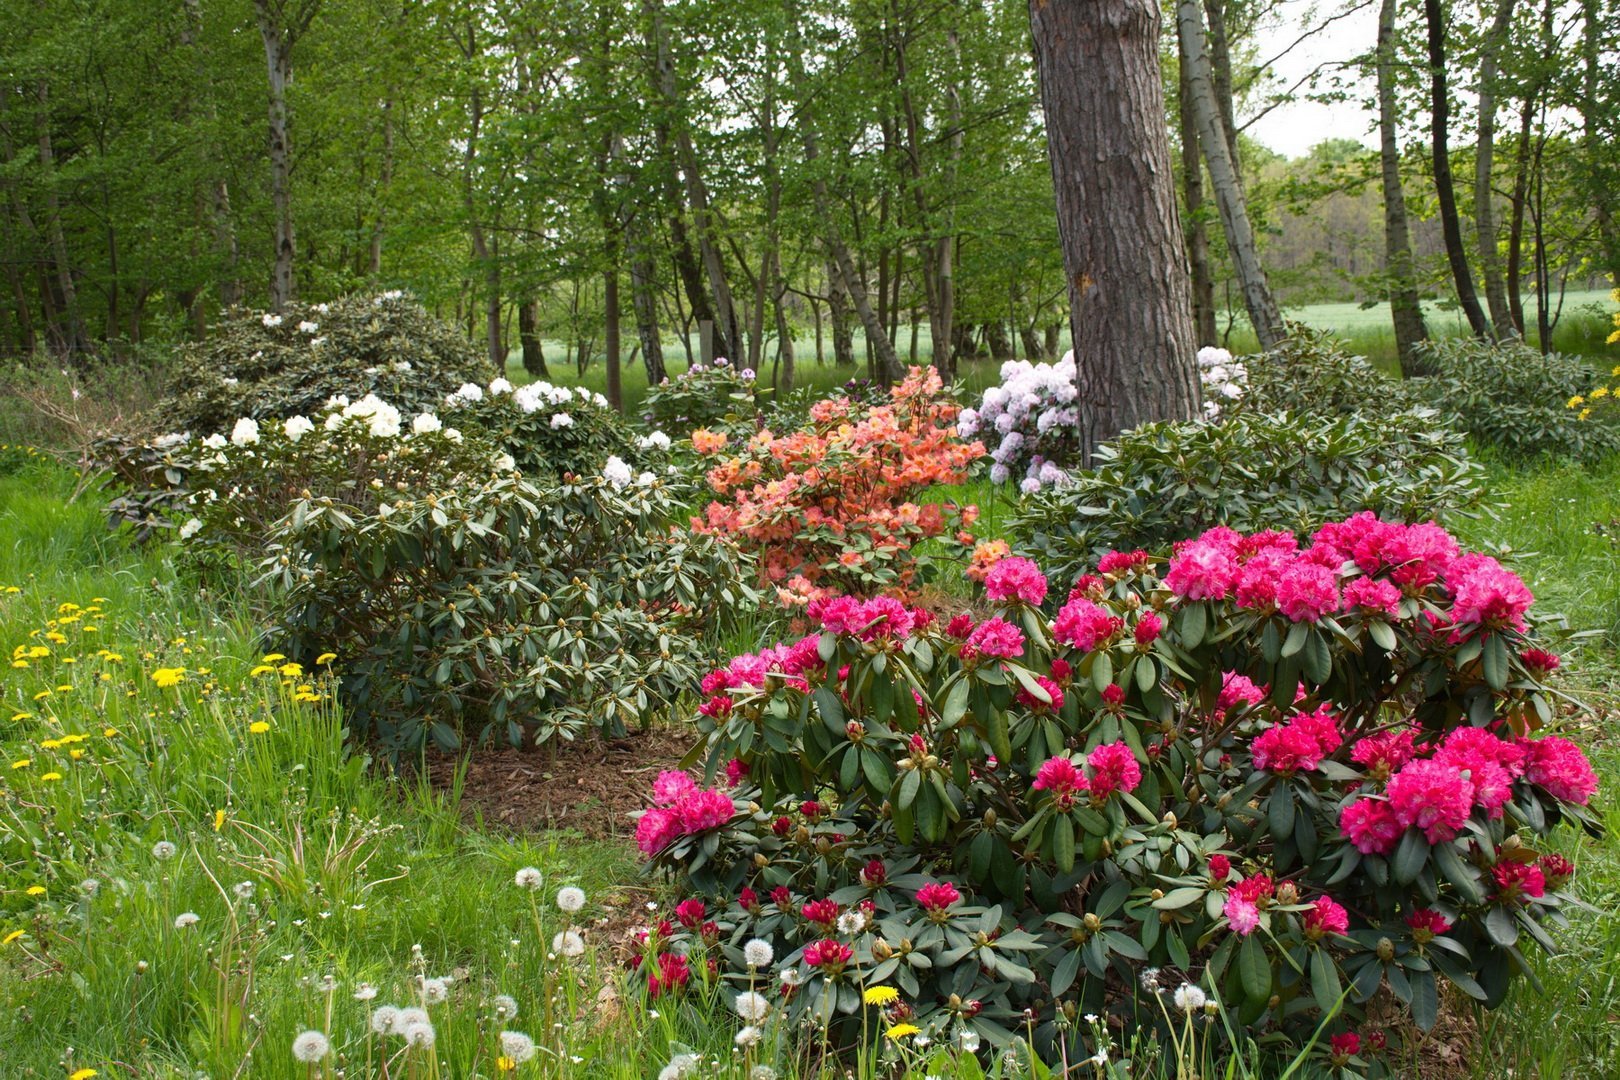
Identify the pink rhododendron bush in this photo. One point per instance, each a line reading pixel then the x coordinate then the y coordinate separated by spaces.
pixel 1298 775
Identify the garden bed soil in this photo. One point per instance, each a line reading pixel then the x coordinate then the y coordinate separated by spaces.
pixel 590 786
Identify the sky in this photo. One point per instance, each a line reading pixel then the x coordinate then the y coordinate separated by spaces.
pixel 1294 128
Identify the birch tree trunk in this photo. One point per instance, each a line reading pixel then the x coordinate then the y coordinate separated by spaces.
pixel 1192 195
pixel 1404 307
pixel 1257 298
pixel 1129 304
pixel 281 24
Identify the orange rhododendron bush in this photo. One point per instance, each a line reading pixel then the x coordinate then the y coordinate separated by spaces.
pixel 833 507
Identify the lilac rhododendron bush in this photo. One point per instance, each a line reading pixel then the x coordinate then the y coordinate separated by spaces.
pixel 1296 774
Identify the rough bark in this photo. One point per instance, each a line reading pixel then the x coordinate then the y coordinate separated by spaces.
pixel 843 331
pixel 1264 314
pixel 534 356
pixel 1405 309
pixel 1516 207
pixel 1490 263
pixel 281 24
pixel 1597 151
pixel 1129 305
pixel 1440 122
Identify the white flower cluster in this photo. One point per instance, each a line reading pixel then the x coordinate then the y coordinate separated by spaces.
pixel 656 441
pixel 617 473
pixel 1028 420
pixel 382 418
pixel 531 398
pixel 1224 379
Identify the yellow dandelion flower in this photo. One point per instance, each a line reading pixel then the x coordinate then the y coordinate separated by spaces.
pixel 17 718
pixel 76 755
pixel 506 1064
pixel 19 663
pixel 291 671
pixel 42 695
pixel 12 590
pixel 1600 392
pixel 900 1031
pixel 51 776
pixel 880 995
pixel 64 688
pixel 83 1074
pixel 22 763
pixel 52 744
pixel 219 820
pixel 259 727
pixel 1576 401
pixel 13 936
pixel 167 677
pixel 1583 414
pixel 109 732
pixel 92 629
pixel 306 696
pixel 272 658
pixel 262 669
pixel 36 890
pixel 328 657
pixel 38 652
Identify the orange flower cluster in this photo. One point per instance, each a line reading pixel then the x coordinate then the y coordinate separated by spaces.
pixel 832 507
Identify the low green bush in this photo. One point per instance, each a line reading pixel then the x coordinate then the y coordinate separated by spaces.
pixel 549 430
pixel 1313 372
pixel 1251 471
pixel 1511 399
pixel 270 366
pixel 717 395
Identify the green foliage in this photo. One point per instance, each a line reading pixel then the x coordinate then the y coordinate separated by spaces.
pixel 549 430
pixel 253 365
pixel 1097 786
pixel 1313 372
pixel 1510 398
pixel 477 603
pixel 718 396
pixel 1252 471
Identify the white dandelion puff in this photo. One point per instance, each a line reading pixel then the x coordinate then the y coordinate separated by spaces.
pixel 383 1018
pixel 758 953
pixel 752 1006
pixel 568 944
pixel 186 919
pixel 1189 997
pixel 163 851
pixel 570 899
pixel 749 1037
pixel 435 991
pixel 529 878
pixel 506 1006
pixel 517 1046
pixel 420 1036
pixel 310 1047
pixel 365 992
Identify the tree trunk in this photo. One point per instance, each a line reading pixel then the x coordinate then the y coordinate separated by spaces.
pixel 1034 349
pixel 1440 120
pixel 1490 264
pixel 1220 78
pixel 1192 194
pixel 534 357
pixel 1129 305
pixel 881 349
pixel 1262 306
pixel 1405 309
pixel 843 332
pixel 385 180
pixel 75 340
pixel 1597 150
pixel 610 328
pixel 280 29
pixel 1521 195
pixel 1001 349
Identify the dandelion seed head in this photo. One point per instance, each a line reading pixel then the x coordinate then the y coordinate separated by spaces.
pixel 517 1046
pixel 406 1017
pixel 420 1036
pixel 435 991
pixel 310 1047
pixel 186 919
pixel 748 1037
pixel 383 1018
pixel 1189 997
pixel 163 851
pixel 529 878
pixel 570 899
pixel 506 1008
pixel 568 944
pixel 365 992
pixel 758 953
pixel 243 890
pixel 753 1007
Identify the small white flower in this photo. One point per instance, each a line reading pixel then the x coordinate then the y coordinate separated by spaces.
pixel 645 479
pixel 758 953
pixel 246 432
pixel 561 420
pixel 753 1007
pixel 506 1007
pixel 297 427
pixel 310 1047
pixel 656 441
pixel 216 441
pixel 271 321
pixel 186 919
pixel 452 434
pixel 852 922
pixel 748 1037
pixel 317 342
pixel 528 878
pixel 500 386
pixel 163 850
pixel 243 890
pixel 425 423
pixel 568 944
pixel 505 463
pixel 230 380
pixel 1189 997
pixel 570 898
pixel 322 308
pixel 365 992
pixel 468 393
pixel 790 976
pixel 402 366
pixel 307 327
pixel 382 1019
pixel 968 1039
pixel 517 1046
pixel 1100 1057
pixel 191 528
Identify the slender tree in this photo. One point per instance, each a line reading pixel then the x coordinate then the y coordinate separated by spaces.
pixel 1405 309
pixel 281 24
pixel 1440 153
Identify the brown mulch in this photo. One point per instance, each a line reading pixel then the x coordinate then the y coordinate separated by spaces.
pixel 590 786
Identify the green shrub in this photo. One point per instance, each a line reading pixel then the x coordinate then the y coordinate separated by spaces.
pixel 1250 471
pixel 463 598
pixel 1510 398
pixel 548 430
pixel 1312 372
pixel 272 367
pixel 718 395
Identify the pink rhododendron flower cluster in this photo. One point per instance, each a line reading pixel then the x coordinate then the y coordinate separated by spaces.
pixel 995 638
pixel 1015 578
pixel 1244 901
pixel 1113 768
pixel 1299 744
pixel 684 809
pixel 1084 626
